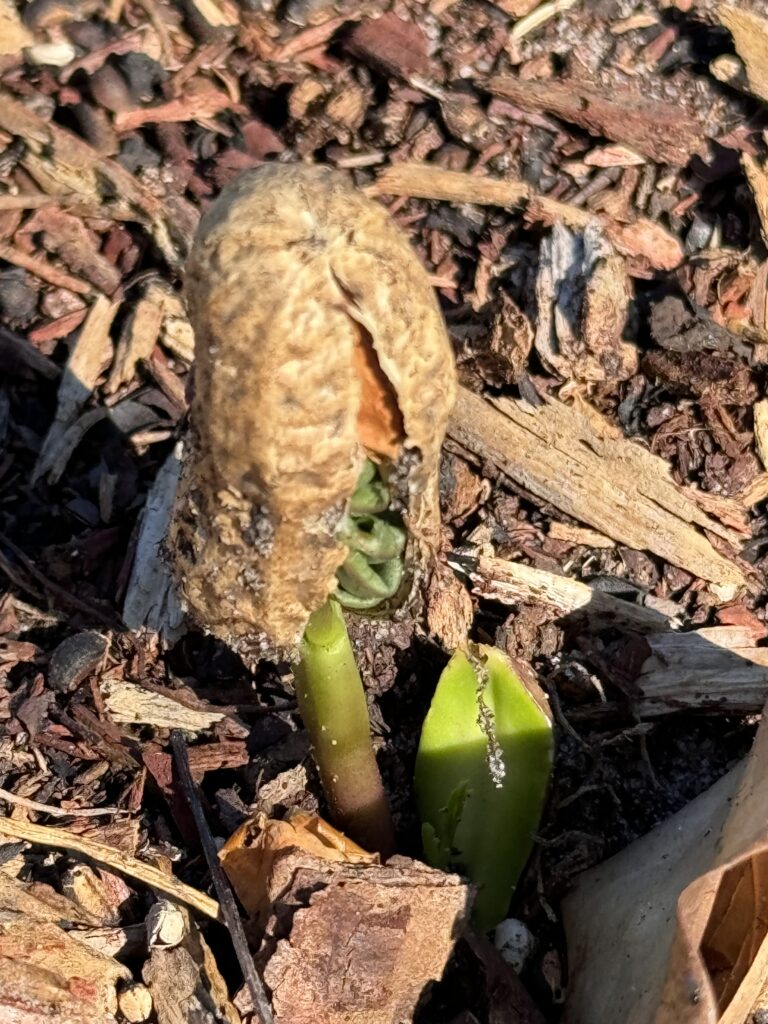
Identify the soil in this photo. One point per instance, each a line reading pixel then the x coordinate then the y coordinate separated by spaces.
pixel 335 83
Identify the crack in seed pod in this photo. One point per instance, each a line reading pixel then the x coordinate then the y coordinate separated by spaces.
pixel 319 341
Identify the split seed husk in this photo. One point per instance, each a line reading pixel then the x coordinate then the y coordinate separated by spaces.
pixel 318 342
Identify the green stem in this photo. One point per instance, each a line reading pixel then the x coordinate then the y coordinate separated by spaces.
pixel 332 703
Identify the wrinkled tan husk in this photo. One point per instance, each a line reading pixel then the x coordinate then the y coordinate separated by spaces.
pixel 287 265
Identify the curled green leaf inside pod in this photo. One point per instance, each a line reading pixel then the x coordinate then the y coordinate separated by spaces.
pixel 373 537
pixel 371 494
pixel 482 772
pixel 358 578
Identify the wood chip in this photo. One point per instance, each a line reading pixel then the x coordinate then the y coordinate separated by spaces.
pixel 348 939
pixel 582 296
pixel 579 535
pixel 512 583
pixel 201 102
pixel 642 238
pixel 717 668
pixel 44 945
pixel 573 458
pixel 151 598
pixel 661 131
pixel 177 334
pixel 13 35
pixel 757 176
pixel 139 338
pixel 760 414
pixel 90 355
pixel 750 36
pixel 128 703
pixel 43 269
pixel 62 164
pixel 391 45
pixel 185 982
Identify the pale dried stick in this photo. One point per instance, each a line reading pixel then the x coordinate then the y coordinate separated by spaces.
pixel 46 835
pixel 57 812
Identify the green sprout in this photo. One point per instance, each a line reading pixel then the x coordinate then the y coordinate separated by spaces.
pixel 332 704
pixel 328 686
pixel 482 772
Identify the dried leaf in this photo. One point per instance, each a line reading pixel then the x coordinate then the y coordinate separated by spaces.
pixel 706 962
pixel 249 854
pixel 634 895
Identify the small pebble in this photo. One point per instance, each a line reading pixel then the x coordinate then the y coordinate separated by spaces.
pixel 74 659
pixel 135 154
pixel 135 1003
pixel 18 297
pixel 142 73
pixel 165 924
pixel 514 941
pixel 56 55
pixel 111 90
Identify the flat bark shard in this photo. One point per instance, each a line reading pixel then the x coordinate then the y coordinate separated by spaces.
pixel 583 296
pixel 750 36
pixel 512 583
pixel 573 458
pixel 717 668
pixel 151 599
pixel 658 130
pixel 363 949
pixel 346 939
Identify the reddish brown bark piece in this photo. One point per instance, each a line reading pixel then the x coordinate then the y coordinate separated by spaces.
pixel 660 131
pixel 347 940
pixel 390 44
pixel 363 950
pixel 366 945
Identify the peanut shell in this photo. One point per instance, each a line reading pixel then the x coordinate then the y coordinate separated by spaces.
pixel 292 269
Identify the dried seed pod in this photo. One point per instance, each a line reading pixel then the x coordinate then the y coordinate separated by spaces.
pixel 319 341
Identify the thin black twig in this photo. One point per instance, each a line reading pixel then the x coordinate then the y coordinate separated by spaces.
pixel 223 891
